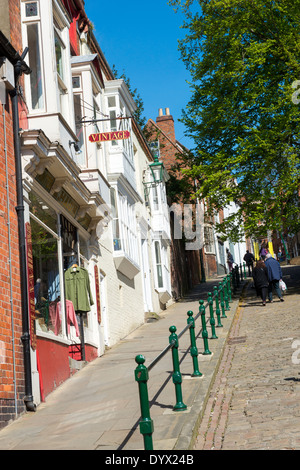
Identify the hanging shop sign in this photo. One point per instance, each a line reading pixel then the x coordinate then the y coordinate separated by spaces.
pixel 107 136
pixel 30 275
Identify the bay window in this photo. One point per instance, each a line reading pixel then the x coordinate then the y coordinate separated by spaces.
pixel 125 242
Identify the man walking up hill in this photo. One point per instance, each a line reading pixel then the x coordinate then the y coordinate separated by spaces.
pixel 274 275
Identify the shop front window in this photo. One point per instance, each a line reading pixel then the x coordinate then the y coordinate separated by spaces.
pixel 69 243
pixel 46 278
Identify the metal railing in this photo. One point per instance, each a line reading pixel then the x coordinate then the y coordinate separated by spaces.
pixel 218 303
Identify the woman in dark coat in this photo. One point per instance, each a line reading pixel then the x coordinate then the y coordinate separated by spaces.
pixel 261 282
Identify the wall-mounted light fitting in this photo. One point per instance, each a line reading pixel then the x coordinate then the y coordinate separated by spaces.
pixel 76 147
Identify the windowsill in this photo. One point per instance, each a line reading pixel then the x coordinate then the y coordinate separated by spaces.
pixel 125 264
pixel 52 337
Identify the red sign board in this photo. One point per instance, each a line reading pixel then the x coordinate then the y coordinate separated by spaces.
pixel 107 136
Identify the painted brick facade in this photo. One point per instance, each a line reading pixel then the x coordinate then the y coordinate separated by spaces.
pixel 186 269
pixel 11 349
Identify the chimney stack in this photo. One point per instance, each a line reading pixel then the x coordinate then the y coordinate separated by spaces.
pixel 166 123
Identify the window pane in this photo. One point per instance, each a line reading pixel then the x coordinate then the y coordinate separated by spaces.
pixel 158 265
pixel 36 88
pixel 76 82
pixel 59 54
pixel 31 9
pixel 155 198
pixel 43 212
pixel 79 157
pixel 113 121
pixel 115 222
pixel 111 102
pixel 95 115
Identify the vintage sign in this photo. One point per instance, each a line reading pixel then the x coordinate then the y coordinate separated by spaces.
pixel 30 286
pixel 107 136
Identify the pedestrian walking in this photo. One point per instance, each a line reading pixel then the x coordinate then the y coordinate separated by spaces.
pixel 230 260
pixel 263 252
pixel 249 259
pixel 274 276
pixel 261 281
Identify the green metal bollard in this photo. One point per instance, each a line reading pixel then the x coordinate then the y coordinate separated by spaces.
pixel 229 288
pixel 233 278
pixel 177 378
pixel 193 350
pixel 204 330
pixel 218 313
pixel 245 275
pixel 222 300
pixel 227 307
pixel 146 423
pixel 211 314
pixel 238 276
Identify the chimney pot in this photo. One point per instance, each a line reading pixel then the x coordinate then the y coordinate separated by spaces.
pixel 160 112
pixel 167 111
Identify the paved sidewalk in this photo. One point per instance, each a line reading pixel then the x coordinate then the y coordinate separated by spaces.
pixel 254 402
pixel 98 408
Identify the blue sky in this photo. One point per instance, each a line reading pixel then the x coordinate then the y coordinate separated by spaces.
pixel 141 40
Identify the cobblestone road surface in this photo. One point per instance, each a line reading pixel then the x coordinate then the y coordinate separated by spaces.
pixel 255 400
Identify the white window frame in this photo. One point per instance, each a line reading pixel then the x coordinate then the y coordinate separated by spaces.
pixel 165 272
pixel 30 21
pixel 209 245
pixel 127 228
pixel 125 217
pixel 119 110
pixel 63 80
pixel 63 337
pixel 158 265
pixel 78 92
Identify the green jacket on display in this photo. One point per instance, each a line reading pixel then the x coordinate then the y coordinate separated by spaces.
pixel 77 288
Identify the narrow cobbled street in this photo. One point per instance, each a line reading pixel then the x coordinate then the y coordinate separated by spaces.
pixel 255 400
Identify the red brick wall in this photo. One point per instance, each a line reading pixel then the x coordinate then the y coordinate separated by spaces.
pixel 7 355
pixel 167 140
pixel 15 25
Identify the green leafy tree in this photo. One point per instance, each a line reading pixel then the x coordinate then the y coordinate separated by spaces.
pixel 244 60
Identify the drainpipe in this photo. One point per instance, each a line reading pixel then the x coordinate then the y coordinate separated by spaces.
pixel 28 398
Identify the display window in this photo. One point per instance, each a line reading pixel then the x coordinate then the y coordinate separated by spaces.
pixel 59 267
pixel 46 271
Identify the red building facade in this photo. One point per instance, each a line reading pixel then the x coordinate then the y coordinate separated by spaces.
pixel 12 372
